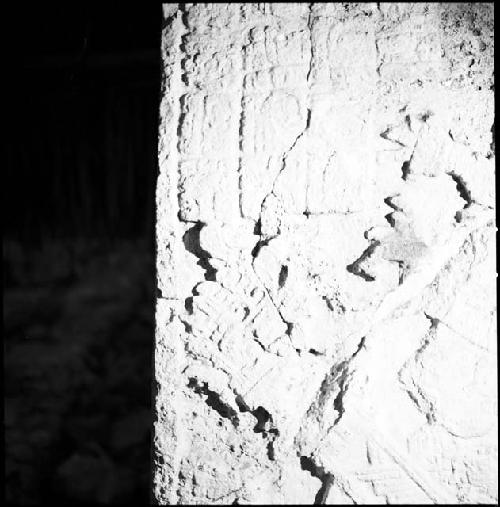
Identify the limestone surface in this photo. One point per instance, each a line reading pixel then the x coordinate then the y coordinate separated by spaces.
pixel 326 311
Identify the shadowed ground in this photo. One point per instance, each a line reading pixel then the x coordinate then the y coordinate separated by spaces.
pixel 78 327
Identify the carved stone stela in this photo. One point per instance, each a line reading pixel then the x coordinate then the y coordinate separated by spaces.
pixel 326 318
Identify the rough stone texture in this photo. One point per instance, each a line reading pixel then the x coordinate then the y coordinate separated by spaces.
pixel 326 326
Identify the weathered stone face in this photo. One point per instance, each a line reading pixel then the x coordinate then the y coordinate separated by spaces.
pixel 326 324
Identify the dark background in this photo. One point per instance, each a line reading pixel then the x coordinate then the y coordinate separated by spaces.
pixel 83 83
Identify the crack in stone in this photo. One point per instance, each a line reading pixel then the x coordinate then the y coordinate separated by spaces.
pixel 385 135
pixel 314 352
pixel 213 400
pixel 356 269
pixel 282 277
pixel 263 241
pixel 241 124
pixel 255 251
pixel 492 144
pixel 421 400
pixel 405 170
pixel 327 479
pixel 264 424
pixel 310 27
pixel 256 339
pixel 338 376
pixel 283 161
pixel 182 45
pixel 464 193
pixel 182 99
pixel 191 240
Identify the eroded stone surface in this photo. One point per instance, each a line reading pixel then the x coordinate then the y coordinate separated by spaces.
pixel 326 255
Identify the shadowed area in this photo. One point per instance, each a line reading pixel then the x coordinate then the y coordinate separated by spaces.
pixel 78 326
pixel 78 253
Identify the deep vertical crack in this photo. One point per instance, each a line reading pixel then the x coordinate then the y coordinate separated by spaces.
pixel 338 376
pixel 264 424
pixel 283 275
pixel 241 124
pixel 182 100
pixel 464 193
pixel 192 244
pixel 405 170
pixel 310 27
pixel 307 464
pixel 264 240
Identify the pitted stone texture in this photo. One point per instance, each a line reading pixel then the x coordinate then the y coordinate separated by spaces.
pixel 326 326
